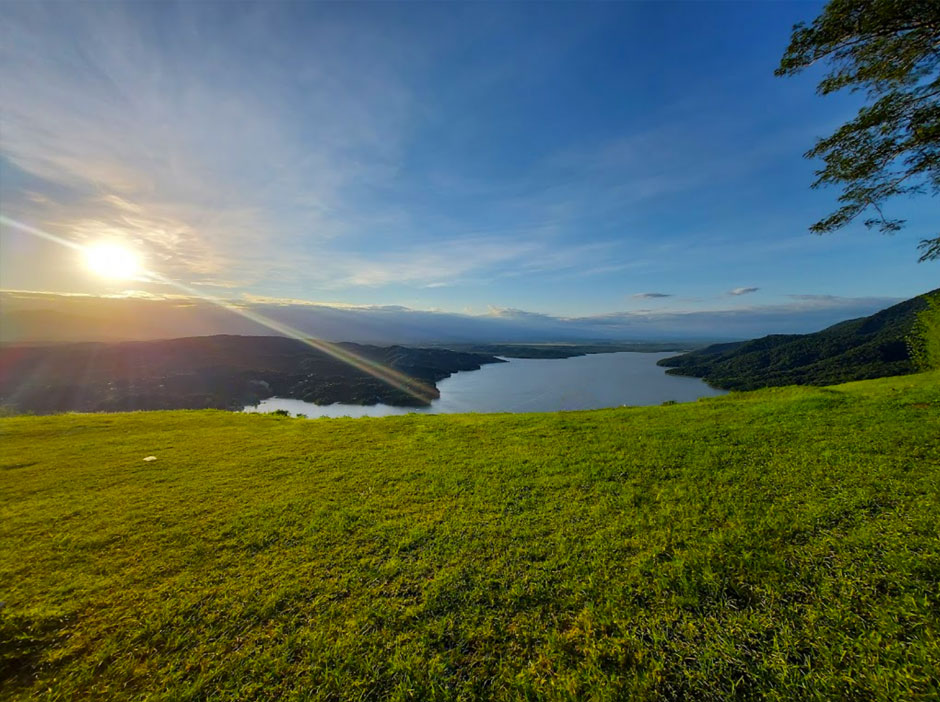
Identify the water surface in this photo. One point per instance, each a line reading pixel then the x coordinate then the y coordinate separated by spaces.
pixel 535 385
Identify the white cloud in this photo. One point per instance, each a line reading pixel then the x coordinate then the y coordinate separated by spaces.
pixel 154 318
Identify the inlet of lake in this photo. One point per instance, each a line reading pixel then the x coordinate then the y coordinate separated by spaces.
pixel 594 381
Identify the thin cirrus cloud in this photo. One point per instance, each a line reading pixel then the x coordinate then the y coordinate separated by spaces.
pixel 157 144
pixel 743 291
pixel 652 295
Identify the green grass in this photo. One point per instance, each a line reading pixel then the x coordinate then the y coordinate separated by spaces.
pixel 781 544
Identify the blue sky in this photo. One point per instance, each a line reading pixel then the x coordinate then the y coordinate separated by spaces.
pixel 561 159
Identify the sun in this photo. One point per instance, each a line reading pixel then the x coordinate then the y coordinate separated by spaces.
pixel 112 261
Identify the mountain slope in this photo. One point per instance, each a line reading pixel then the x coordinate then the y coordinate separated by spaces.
pixel 868 347
pixel 775 545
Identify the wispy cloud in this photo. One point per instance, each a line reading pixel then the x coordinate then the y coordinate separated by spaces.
pixel 823 299
pixel 375 150
pixel 510 313
pixel 157 142
pixel 292 184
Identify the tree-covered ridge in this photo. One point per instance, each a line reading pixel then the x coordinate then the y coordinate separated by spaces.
pixel 221 372
pixel 858 349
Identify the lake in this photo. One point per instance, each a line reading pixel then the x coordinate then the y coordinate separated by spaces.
pixel 535 385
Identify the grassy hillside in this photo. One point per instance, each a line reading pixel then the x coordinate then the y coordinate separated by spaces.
pixel 868 347
pixel 783 544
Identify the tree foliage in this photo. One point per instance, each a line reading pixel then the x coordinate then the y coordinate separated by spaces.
pixel 890 50
pixel 924 340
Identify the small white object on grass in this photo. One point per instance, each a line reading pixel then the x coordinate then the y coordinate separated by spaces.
pixel 150 458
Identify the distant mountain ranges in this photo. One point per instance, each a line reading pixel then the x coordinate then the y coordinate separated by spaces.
pixel 858 349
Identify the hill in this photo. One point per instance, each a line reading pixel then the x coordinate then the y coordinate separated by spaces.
pixel 223 372
pixel 868 347
pixel 778 545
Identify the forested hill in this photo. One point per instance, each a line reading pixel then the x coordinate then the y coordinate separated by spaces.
pixel 225 372
pixel 868 347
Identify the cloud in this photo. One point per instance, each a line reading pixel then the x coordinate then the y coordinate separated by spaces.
pixel 816 298
pixel 743 291
pixel 240 175
pixel 519 315
pixel 155 141
pixel 429 264
pixel 295 152
pixel 81 318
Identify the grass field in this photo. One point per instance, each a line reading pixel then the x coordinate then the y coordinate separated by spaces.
pixel 781 544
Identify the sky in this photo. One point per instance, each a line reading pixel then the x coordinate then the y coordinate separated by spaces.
pixel 502 160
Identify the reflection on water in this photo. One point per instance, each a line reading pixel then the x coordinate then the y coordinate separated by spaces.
pixel 535 385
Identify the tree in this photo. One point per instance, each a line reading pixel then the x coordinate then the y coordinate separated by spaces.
pixel 890 49
pixel 924 340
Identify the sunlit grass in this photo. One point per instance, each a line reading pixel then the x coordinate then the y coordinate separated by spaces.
pixel 783 544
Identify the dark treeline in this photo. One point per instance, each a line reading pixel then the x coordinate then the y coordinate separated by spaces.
pixel 224 372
